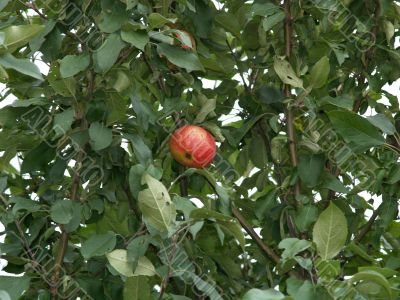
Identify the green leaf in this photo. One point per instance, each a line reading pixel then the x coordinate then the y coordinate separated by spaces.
pixel 156 20
pixel 319 73
pixel 229 22
pixel 139 38
pixel 330 232
pixel 115 218
pixel 137 288
pixel 264 9
pixel 118 259
pixel 38 158
pixel 3 73
pixel 207 108
pixel 71 65
pixel 24 66
pixel 180 57
pixel 142 151
pixel 98 245
pixel 3 183
pixel 235 230
pixel 144 267
pixel 310 168
pixel 258 152
pixel 156 205
pixel 204 213
pixel 14 286
pixel 375 277
pixel 382 122
pixel 285 72
pixel 63 211
pixel 3 4
pixel 334 184
pixel 272 20
pixel 292 247
pixel 389 31
pixel 117 107
pixel 383 271
pixel 343 101
pixel 30 102
pixel 113 15
pixel 340 52
pixel 135 178
pixel 138 247
pixel 100 136
pixel 63 121
pixel 354 128
pixel 130 4
pixel 353 247
pixel 105 57
pixel 307 291
pixel 16 36
pixel 3 294
pixel 24 204
pixel 305 216
pixel 240 133
pixel 256 294
pixel 328 268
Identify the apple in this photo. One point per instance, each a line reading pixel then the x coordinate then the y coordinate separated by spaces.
pixel 193 146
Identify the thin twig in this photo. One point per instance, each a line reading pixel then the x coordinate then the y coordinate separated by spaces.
pixel 237 61
pixel 44 17
pixel 170 259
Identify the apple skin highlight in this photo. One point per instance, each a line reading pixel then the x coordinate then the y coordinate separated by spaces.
pixel 193 146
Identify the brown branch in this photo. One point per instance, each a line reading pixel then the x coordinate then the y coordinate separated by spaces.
pixel 370 52
pixel 74 196
pixel 367 227
pixel 267 251
pixel 289 114
pixel 63 242
pixel 237 61
pixel 246 226
pixel 361 79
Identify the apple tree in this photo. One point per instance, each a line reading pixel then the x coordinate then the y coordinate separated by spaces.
pixel 301 200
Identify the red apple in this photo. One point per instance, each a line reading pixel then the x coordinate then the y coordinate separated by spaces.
pixel 192 146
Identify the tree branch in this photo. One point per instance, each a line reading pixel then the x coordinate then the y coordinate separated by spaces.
pixel 368 58
pixel 268 252
pixel 246 226
pixel 289 114
pixel 63 242
pixel 367 227
pixel 237 61
pixel 370 52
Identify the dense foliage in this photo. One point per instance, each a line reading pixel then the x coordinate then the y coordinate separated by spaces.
pixel 301 201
